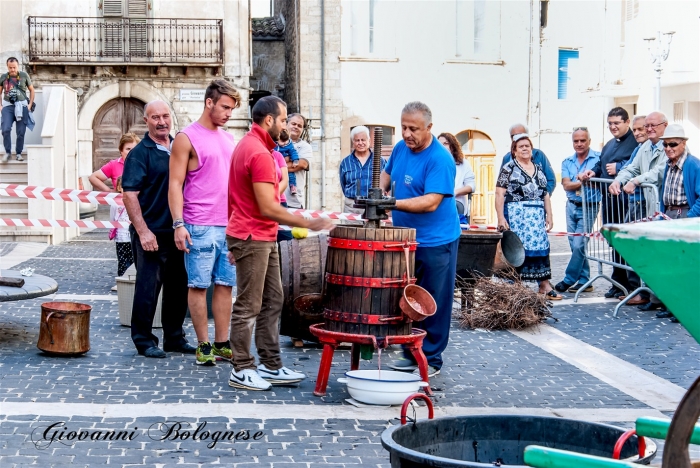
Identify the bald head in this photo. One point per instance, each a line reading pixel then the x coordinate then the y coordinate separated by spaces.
pixel 156 114
pixel 655 125
pixel 155 106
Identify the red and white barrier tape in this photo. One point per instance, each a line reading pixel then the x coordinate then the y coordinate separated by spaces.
pixel 570 234
pixel 76 224
pixel 112 198
pixel 63 223
pixel 325 214
pixel 69 195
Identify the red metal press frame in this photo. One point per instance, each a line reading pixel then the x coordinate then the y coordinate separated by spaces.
pixel 331 340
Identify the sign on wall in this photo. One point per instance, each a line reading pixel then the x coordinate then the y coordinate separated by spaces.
pixel 192 95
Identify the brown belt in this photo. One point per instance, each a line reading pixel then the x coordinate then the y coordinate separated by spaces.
pixel 677 207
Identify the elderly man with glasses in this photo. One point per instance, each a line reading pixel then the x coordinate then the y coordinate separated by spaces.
pixel 615 154
pixel 679 178
pixel 637 171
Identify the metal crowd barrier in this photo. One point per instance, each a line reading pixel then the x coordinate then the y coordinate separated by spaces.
pixel 599 208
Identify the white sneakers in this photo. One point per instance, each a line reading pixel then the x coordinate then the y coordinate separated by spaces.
pixel 280 376
pixel 248 379
pixel 263 379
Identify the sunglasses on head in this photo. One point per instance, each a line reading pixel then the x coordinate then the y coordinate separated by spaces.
pixel 671 144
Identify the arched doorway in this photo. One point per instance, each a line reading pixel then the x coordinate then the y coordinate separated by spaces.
pixel 115 118
pixel 480 151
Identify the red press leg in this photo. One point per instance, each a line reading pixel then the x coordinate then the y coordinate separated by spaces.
pixel 422 362
pixel 324 370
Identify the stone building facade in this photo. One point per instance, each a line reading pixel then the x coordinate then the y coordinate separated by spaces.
pixel 269 65
pixel 121 54
pixel 313 87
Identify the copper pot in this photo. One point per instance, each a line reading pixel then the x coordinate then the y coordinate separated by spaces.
pixel 309 305
pixel 416 303
pixel 64 328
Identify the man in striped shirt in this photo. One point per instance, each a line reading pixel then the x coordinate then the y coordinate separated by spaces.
pixel 680 189
pixel 357 166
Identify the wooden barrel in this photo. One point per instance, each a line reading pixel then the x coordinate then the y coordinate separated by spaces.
pixel 365 277
pixel 302 264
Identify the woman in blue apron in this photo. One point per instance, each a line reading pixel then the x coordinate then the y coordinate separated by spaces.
pixel 523 206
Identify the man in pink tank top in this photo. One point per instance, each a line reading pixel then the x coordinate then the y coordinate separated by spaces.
pixel 199 165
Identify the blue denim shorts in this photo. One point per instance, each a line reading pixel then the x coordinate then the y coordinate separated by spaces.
pixel 207 260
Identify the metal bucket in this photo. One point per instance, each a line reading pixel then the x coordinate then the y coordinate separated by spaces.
pixel 510 252
pixel 486 441
pixel 64 328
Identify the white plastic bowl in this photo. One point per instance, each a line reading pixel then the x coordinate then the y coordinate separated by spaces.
pixel 394 387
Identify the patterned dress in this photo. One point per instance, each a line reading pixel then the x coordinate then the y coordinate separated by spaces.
pixel 525 213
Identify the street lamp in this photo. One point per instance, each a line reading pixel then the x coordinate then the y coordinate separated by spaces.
pixel 659 53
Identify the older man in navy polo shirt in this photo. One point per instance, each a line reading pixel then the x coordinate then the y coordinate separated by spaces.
pixel 583 159
pixel 357 166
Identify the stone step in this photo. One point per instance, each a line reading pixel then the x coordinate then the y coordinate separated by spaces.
pixel 25 234
pixel 15 213
pixel 6 202
pixel 13 172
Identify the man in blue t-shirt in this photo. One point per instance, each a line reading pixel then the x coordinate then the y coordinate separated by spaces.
pixel 424 173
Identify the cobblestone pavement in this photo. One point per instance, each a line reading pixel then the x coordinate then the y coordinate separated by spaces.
pixel 482 370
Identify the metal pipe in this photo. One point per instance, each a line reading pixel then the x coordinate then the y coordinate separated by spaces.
pixel 298 62
pixel 323 105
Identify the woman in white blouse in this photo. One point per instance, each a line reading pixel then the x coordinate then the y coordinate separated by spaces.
pixel 465 180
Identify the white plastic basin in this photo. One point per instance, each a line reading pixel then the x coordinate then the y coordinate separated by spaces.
pixel 393 388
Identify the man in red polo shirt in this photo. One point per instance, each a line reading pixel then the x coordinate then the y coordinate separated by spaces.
pixel 251 234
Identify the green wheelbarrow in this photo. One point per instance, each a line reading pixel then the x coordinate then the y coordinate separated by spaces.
pixel 666 254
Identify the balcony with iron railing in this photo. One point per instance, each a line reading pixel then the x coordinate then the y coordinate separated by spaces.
pixel 125 41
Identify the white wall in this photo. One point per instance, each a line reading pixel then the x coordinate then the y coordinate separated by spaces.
pixel 486 96
pixel 614 67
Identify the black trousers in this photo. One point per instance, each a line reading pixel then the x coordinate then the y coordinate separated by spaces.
pixel 636 210
pixel 164 268
pixel 613 209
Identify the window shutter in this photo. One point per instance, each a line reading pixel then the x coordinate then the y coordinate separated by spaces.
pixel 563 76
pixel 137 8
pixel 679 112
pixel 113 38
pixel 138 37
pixel 111 8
